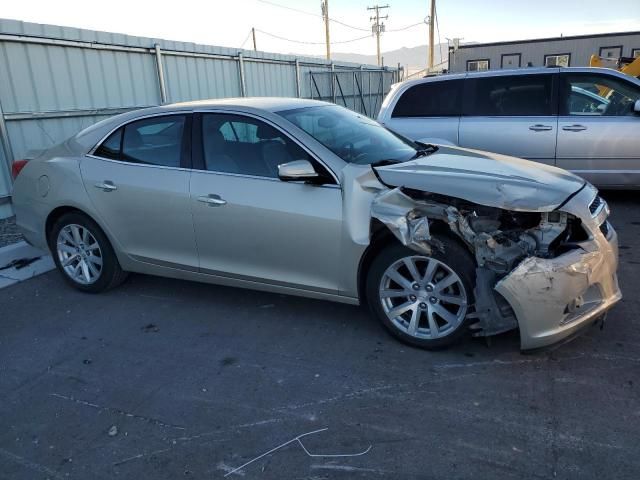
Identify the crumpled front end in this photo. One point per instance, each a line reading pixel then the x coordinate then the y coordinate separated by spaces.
pixel 553 298
pixel 548 273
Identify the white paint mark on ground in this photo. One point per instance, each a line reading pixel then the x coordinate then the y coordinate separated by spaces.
pixel 36 467
pixel 153 421
pixel 348 468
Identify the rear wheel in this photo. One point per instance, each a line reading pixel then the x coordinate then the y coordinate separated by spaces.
pixel 83 254
pixel 423 299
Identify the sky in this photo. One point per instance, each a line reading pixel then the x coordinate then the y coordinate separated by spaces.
pixel 228 22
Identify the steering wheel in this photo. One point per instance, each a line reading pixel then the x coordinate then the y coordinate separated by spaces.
pixel 347 150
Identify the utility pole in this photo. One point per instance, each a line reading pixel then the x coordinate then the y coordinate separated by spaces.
pixel 432 16
pixel 377 28
pixel 324 5
pixel 253 34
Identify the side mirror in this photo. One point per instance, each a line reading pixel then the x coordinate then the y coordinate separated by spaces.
pixel 298 170
pixel 636 106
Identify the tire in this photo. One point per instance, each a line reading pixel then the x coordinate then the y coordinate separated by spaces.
pixel 433 306
pixel 71 240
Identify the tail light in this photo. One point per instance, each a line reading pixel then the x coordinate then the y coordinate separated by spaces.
pixel 16 167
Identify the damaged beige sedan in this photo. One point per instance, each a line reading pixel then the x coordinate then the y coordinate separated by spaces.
pixel 308 198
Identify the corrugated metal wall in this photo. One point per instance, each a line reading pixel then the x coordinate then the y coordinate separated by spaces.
pixel 54 81
pixel 534 51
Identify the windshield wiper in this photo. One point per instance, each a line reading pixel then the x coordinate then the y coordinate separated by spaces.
pixel 385 162
pixel 427 149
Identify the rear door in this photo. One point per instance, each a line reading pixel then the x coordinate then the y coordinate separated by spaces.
pixel 599 132
pixel 429 112
pixel 139 186
pixel 511 114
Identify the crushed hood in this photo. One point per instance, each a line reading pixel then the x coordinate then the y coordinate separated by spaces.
pixel 486 178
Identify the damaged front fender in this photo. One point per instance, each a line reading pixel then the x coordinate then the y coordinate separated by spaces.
pixel 533 270
pixel 406 219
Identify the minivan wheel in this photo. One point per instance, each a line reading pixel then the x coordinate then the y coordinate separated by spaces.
pixel 84 255
pixel 423 299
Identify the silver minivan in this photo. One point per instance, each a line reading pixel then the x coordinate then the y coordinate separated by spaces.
pixel 586 120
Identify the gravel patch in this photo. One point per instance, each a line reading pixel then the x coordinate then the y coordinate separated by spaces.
pixel 9 232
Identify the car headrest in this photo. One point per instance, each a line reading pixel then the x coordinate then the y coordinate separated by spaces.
pixel 132 138
pixel 265 132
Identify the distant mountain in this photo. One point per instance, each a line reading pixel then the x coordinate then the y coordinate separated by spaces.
pixel 414 58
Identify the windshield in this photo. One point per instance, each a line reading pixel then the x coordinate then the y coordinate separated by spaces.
pixel 353 137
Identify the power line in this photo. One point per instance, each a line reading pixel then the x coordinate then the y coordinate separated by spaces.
pixel 347 25
pixel 339 22
pixel 289 8
pixel 406 28
pixel 308 43
pixel 245 40
pixel 304 12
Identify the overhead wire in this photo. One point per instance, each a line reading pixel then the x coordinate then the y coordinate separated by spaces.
pixel 406 28
pixel 308 43
pixel 304 12
pixel 438 30
pixel 246 39
pixel 293 9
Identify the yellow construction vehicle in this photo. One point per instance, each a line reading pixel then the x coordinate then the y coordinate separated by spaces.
pixel 628 65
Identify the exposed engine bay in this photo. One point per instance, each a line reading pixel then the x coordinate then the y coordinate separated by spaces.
pixel 499 239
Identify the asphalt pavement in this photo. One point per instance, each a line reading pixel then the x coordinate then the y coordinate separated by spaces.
pixel 167 379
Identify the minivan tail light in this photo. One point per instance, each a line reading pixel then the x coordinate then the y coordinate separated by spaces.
pixel 16 167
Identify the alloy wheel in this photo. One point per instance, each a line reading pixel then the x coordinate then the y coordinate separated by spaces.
pixel 423 297
pixel 79 254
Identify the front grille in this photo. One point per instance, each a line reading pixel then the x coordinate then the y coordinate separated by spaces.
pixel 593 208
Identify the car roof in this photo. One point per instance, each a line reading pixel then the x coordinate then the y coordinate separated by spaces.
pixel 513 71
pixel 90 136
pixel 271 104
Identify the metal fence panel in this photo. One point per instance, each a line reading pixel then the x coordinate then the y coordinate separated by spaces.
pixel 55 81
pixel 193 78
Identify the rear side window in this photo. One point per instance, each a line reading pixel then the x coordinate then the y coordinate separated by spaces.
pixel 151 141
pixel 517 95
pixel 154 141
pixel 431 99
pixel 110 148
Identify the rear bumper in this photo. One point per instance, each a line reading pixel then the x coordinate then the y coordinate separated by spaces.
pixel 554 298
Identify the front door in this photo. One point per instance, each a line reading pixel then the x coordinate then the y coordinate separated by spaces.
pixel 598 136
pixel 137 184
pixel 250 225
pixel 511 114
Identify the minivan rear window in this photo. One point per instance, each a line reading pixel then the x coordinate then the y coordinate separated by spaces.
pixel 510 96
pixel 431 99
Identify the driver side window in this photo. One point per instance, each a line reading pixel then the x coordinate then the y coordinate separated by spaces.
pixel 598 95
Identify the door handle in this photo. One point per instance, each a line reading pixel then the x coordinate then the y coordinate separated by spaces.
pixel 213 200
pixel 106 186
pixel 574 128
pixel 540 128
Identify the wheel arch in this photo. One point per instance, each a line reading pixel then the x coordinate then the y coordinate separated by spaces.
pixel 382 237
pixel 55 214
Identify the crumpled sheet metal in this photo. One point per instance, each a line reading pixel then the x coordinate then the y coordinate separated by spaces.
pixel 403 216
pixel 539 290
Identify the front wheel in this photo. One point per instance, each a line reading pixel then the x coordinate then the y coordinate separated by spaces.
pixel 423 299
pixel 84 255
